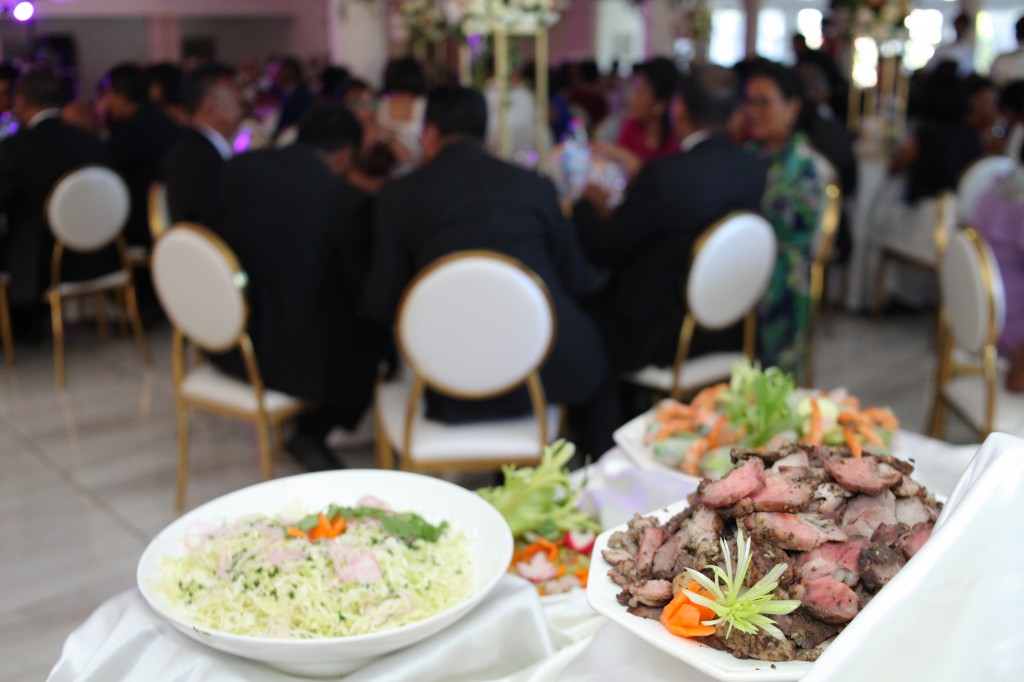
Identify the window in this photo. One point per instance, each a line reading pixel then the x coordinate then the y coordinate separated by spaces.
pixel 925 26
pixel 808 23
pixel 727 36
pixel 772 41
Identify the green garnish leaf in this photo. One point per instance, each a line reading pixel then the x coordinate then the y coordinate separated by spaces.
pixel 758 400
pixel 743 609
pixel 541 500
pixel 406 526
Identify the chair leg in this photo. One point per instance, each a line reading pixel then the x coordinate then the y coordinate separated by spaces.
pixel 6 336
pixel 122 312
pixel 133 316
pixel 100 303
pixel 277 442
pixel 58 340
pixel 264 429
pixel 183 447
pixel 883 262
pixel 385 455
pixel 938 418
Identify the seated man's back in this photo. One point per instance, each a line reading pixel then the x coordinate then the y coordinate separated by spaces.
pixel 647 243
pixel 465 199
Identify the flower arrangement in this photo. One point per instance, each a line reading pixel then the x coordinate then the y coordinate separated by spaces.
pixel 481 17
pixel 423 19
pixel 878 19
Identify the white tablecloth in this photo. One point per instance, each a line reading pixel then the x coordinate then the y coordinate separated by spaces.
pixel 513 636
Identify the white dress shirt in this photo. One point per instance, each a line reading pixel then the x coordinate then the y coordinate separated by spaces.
pixel 52 112
pixel 222 146
pixel 693 139
pixel 1008 68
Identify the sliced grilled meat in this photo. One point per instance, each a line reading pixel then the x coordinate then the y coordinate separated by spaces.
pixel 783 491
pixel 761 646
pixel 665 556
pixel 839 560
pixel 878 564
pixel 862 474
pixel 652 612
pixel 829 600
pixel 865 513
pixel 801 532
pixel 742 481
pixel 805 630
pixel 912 542
pixel 649 544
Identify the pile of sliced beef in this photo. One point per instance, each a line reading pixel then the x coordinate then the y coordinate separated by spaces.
pixel 842 525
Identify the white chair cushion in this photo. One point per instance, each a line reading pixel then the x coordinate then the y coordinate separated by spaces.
pixel 88 208
pixel 92 286
pixel 199 287
pixel 717 297
pixel 965 294
pixel 431 440
pixel 697 372
pixel 978 179
pixel 476 324
pixel 968 394
pixel 207 383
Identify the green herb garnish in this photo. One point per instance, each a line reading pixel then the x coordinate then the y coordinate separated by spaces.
pixel 758 401
pixel 541 500
pixel 406 526
pixel 741 608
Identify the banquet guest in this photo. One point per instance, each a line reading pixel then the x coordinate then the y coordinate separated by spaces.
pixel 1009 67
pixel 463 198
pixel 825 61
pixel 983 114
pixel 374 161
pixel 1011 102
pixel 31 162
pixel 647 242
pixel 959 52
pixel 140 137
pixel 8 123
pixel 295 97
pixel 584 79
pixel 400 110
pixel 302 235
pixel 195 165
pixel 164 85
pixel 647 133
pixel 999 217
pixel 792 202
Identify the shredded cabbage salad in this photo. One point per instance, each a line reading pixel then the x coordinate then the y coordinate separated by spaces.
pixel 254 577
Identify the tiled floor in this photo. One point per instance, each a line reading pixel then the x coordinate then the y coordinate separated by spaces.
pixel 87 474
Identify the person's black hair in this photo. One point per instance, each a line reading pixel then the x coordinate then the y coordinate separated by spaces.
pixel 293 65
pixel 944 97
pixel 8 73
pixel 710 93
pixel 201 81
pixel 962 19
pixel 352 85
pixel 332 82
pixel 127 80
pixel 330 127
pixel 405 74
pixel 976 84
pixel 1020 30
pixel 1012 98
pixel 663 78
pixel 40 89
pixel 457 110
pixel 168 77
pixel 588 71
pixel 785 79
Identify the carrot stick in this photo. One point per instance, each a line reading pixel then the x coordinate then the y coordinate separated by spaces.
pixel 296 533
pixel 852 442
pixel 582 574
pixel 815 432
pixel 550 547
pixel 339 525
pixel 716 432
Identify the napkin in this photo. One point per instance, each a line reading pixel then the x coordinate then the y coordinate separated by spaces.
pixel 954 612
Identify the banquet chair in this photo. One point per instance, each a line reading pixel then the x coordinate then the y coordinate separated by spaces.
pixel 6 336
pixel 973 313
pixel 977 179
pixel 201 287
pixel 731 266
pixel 158 210
pixel 920 253
pixel 86 211
pixel 824 241
pixel 472 325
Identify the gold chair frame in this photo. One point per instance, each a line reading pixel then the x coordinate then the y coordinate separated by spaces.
pixel 828 226
pixel 690 325
pixel 124 296
pixel 268 423
pixel 158 224
pixel 948 368
pixel 406 461
pixel 6 335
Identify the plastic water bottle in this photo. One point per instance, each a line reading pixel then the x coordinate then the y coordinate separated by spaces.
pixel 576 158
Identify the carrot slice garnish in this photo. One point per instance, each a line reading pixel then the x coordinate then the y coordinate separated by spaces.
pixel 852 442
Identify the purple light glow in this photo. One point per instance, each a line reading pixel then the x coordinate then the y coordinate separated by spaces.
pixel 23 11
pixel 242 140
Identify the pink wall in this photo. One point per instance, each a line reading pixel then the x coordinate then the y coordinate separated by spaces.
pixel 573 36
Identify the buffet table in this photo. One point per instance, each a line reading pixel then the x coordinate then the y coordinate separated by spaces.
pixel 513 635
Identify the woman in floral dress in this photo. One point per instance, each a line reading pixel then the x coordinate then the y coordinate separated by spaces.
pixel 792 202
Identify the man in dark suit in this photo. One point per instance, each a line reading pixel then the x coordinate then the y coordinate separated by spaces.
pixel 194 167
pixel 295 95
pixel 647 242
pixel 141 134
pixel 463 198
pixel 31 163
pixel 302 235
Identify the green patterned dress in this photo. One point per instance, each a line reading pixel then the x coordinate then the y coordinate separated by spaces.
pixel 792 202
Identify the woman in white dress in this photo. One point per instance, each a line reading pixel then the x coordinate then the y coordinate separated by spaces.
pixel 401 110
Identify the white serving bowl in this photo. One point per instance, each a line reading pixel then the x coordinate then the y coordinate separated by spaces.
pixel 488 535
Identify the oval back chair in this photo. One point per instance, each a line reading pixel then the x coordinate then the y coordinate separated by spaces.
pixel 977 179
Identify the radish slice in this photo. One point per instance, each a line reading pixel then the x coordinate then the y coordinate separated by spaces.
pixel 581 542
pixel 538 569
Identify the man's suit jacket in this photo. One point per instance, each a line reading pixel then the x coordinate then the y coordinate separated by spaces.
pixel 31 163
pixel 302 236
pixel 193 172
pixel 138 146
pixel 467 199
pixel 648 241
